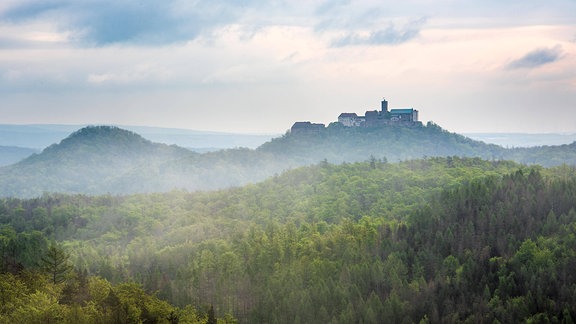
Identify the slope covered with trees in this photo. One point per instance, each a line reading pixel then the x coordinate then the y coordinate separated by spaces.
pixel 395 143
pixel 39 284
pixel 435 240
pixel 87 161
pixel 100 160
pixel 544 155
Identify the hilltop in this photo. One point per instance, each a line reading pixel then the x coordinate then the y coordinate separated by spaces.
pixel 338 143
pixel 87 161
pixel 40 136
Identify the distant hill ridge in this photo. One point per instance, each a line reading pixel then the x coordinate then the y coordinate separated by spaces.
pixel 87 161
pixel 40 136
pixel 104 143
pixel 100 136
pixel 108 159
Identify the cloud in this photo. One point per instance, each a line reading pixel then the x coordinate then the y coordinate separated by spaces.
pixel 537 58
pixel 365 24
pixel 9 42
pixel 329 5
pixel 150 22
pixel 102 22
pixel 27 10
pixel 138 74
pixel 392 35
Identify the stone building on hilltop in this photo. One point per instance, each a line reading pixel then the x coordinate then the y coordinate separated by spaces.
pixel 375 118
pixel 351 120
pixel 407 117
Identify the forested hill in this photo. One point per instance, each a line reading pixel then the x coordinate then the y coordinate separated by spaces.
pixel 87 161
pixel 348 144
pixel 547 155
pixel 99 160
pixel 106 143
pixel 437 240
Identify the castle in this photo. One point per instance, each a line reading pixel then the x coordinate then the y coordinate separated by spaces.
pixel 373 118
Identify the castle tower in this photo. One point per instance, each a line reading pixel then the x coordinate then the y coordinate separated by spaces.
pixel 384 106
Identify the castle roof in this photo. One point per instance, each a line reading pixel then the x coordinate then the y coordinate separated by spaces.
pixel 402 111
pixel 344 115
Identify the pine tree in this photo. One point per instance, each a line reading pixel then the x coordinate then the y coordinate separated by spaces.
pixel 211 316
pixel 55 263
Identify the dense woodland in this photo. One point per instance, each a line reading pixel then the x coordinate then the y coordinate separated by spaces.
pixel 439 240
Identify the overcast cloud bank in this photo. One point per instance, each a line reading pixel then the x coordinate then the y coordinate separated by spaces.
pixel 248 66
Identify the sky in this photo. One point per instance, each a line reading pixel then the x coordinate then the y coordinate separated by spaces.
pixel 251 66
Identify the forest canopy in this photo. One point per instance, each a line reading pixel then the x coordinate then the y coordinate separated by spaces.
pixel 431 240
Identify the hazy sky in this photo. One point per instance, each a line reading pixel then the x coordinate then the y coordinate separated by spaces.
pixel 256 67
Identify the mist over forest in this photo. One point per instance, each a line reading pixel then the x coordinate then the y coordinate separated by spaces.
pixel 223 162
pixel 347 225
pixel 111 160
